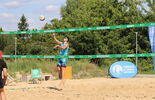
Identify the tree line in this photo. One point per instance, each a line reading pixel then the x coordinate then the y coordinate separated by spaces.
pixel 89 13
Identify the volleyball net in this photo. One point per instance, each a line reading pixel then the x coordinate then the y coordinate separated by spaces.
pixel 81 29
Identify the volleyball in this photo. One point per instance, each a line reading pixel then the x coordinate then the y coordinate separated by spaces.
pixel 42 18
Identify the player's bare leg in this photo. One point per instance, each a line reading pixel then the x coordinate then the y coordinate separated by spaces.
pixel 2 94
pixel 59 72
pixel 62 83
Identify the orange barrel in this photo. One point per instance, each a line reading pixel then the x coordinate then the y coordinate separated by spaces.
pixel 68 72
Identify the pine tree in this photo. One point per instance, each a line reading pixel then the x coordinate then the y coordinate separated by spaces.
pixel 23 26
pixel 22 42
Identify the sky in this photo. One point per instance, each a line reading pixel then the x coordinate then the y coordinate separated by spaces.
pixel 12 10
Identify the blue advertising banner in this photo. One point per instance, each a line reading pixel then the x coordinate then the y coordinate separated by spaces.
pixel 123 69
pixel 152 41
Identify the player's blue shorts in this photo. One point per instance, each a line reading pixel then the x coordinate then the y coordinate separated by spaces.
pixel 62 62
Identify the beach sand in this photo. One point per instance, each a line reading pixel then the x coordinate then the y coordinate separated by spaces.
pixel 85 89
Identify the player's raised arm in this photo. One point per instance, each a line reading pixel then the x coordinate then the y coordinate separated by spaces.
pixel 55 39
pixel 63 47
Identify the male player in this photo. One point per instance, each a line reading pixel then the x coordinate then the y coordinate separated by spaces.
pixel 3 68
pixel 62 62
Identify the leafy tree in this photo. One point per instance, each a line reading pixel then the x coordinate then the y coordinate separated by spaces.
pixel 1 30
pixel 7 43
pixel 149 10
pixel 92 13
pixel 1 40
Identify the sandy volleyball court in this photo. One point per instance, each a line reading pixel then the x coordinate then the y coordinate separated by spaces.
pixel 86 89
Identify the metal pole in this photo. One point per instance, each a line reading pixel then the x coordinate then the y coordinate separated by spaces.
pixel 136 48
pixel 15 47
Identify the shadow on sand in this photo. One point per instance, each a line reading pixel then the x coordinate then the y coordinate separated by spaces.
pixel 54 88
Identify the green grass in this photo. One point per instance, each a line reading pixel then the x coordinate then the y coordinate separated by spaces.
pixel 148 72
pixel 24 66
pixel 81 68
